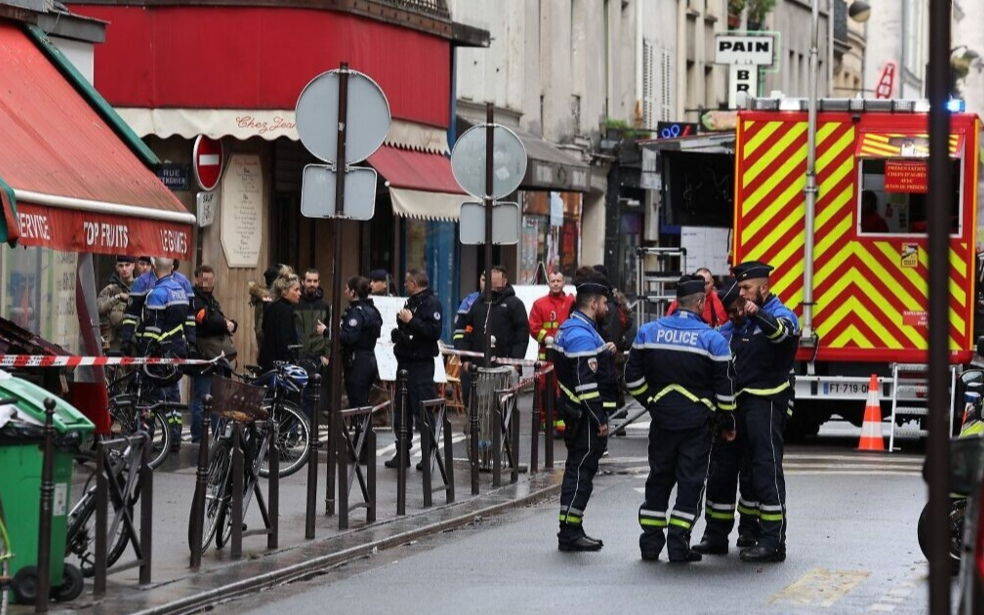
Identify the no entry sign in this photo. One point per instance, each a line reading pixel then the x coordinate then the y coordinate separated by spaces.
pixel 207 160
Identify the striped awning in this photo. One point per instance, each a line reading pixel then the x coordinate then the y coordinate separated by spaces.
pixel 902 145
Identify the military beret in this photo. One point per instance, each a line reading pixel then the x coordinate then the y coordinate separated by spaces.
pixel 378 275
pixel 751 270
pixel 729 292
pixel 123 258
pixel 690 285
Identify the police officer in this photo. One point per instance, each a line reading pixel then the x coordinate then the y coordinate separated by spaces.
pixel 163 331
pixel 418 329
pixel 678 368
pixel 764 355
pixel 586 376
pixel 361 324
pixel 728 458
pixel 139 290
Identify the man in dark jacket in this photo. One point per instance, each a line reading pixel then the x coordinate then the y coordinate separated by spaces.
pixel 505 316
pixel 418 329
pixel 214 338
pixel 308 312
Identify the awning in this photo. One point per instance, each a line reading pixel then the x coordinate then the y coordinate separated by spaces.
pixel 76 185
pixel 268 124
pixel 902 145
pixel 421 185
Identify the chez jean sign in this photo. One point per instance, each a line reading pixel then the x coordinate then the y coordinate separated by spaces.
pixel 261 125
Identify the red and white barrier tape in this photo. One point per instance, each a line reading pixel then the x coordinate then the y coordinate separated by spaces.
pixel 41 360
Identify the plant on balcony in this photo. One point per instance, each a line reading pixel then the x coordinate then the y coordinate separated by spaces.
pixel 615 127
pixel 757 10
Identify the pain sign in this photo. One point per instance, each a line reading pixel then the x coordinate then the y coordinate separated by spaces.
pixel 753 50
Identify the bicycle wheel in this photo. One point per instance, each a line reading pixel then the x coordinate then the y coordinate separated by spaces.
pixel 293 440
pixel 160 439
pixel 80 537
pixel 218 490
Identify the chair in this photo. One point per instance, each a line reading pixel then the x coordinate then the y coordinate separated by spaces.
pixel 452 391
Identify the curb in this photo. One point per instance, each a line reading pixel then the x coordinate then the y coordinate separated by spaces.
pixel 198 602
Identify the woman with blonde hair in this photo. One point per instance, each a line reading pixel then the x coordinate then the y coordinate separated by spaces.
pixel 279 332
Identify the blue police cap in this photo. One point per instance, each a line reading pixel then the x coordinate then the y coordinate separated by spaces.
pixel 593 286
pixel 751 270
pixel 690 285
pixel 729 292
pixel 378 275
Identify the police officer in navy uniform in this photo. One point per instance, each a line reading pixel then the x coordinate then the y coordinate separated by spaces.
pixel 679 368
pixel 418 329
pixel 585 366
pixel 764 356
pixel 361 324
pixel 728 456
pixel 163 330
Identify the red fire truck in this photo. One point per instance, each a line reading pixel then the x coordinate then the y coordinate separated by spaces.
pixel 868 250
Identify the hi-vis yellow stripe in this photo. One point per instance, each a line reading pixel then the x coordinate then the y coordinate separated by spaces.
pixel 890 145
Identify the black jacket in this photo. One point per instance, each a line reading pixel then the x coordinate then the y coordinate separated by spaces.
pixel 279 332
pixel 417 340
pixel 209 319
pixel 505 317
pixel 360 327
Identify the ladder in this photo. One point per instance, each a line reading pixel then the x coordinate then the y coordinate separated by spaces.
pixel 909 402
pixel 657 268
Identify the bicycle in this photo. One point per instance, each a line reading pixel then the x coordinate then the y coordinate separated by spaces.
pixel 124 494
pixel 130 413
pixel 255 443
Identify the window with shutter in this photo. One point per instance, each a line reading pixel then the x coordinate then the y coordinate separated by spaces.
pixel 648 83
pixel 666 82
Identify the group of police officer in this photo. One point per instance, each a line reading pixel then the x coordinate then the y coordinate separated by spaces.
pixel 718 400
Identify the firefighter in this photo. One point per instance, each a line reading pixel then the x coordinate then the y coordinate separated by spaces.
pixel 586 374
pixel 727 461
pixel 678 368
pixel 546 316
pixel 361 325
pixel 764 355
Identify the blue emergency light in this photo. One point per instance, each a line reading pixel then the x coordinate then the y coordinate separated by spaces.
pixel 956 105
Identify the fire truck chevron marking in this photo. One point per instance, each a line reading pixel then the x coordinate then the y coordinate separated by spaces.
pixel 783 141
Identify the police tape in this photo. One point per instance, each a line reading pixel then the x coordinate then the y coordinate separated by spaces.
pixel 41 360
pixel 545 366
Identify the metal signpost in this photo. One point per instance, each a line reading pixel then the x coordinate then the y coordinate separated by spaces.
pixel 489 163
pixel 342 117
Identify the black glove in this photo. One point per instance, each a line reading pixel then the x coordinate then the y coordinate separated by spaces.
pixel 192 353
pixel 397 336
pixel 128 348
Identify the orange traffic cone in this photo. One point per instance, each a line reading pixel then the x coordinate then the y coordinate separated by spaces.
pixel 871 430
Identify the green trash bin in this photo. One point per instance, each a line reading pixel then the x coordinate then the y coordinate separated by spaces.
pixel 21 459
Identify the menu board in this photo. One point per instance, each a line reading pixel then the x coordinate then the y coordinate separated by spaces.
pixel 241 211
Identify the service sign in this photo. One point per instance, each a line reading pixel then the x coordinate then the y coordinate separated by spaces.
pixel 756 50
pixel 910 176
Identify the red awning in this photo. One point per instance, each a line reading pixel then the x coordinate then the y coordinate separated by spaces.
pixel 421 184
pixel 77 185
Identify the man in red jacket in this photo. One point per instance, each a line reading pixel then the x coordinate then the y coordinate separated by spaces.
pixel 714 312
pixel 546 316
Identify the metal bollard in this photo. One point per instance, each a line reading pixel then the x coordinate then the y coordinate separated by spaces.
pixel 147 504
pixel 498 414
pixel 371 470
pixel 550 399
pixel 474 425
pixel 425 452
pixel 102 522
pixel 402 447
pixel 273 489
pixel 514 437
pixel 536 414
pixel 312 470
pixel 448 457
pixel 341 445
pixel 47 498
pixel 236 551
pixel 196 527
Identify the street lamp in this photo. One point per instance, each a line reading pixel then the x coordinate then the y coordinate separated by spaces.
pixel 859 11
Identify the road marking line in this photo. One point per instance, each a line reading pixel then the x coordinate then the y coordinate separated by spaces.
pixel 820 587
pixel 901 592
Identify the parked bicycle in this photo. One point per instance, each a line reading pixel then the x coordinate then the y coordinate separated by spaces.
pixel 131 409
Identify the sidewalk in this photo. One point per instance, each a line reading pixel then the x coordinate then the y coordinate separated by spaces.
pixel 176 588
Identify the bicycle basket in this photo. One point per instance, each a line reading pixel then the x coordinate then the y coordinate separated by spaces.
pixel 238 401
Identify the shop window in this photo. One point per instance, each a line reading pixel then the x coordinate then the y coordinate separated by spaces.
pixel 38 293
pixel 893 196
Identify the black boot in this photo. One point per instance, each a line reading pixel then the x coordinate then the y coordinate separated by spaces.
pixel 763 554
pixel 678 546
pixel 394 462
pixel 651 543
pixel 711 546
pixel 746 540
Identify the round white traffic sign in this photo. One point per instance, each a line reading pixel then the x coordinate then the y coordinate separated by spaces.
pixel 508 161
pixel 368 116
pixel 207 158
